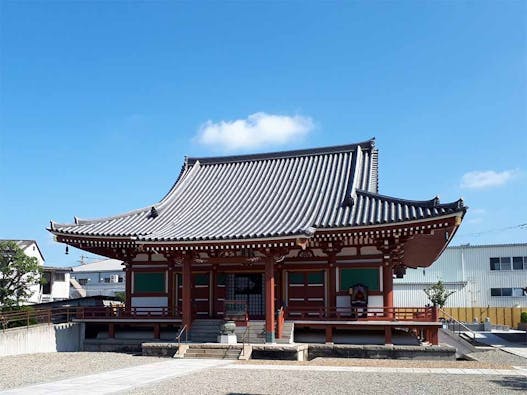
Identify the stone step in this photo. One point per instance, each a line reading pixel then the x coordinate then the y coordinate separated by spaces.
pixel 203 356
pixel 218 351
pixel 213 353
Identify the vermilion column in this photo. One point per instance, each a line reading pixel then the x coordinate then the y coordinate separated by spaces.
pixel 187 294
pixel 387 287
pixel 128 278
pixel 269 300
pixel 170 290
pixel 332 294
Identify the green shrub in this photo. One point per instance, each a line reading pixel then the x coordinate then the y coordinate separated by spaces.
pixel 523 317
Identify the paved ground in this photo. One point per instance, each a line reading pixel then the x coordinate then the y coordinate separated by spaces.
pixel 325 376
pixel 496 339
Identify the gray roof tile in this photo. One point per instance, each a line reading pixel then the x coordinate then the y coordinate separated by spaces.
pixel 267 195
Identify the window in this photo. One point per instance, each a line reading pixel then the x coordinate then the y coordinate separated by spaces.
pixel 519 263
pixel 508 263
pixel 121 279
pixel 514 292
pixel 59 277
pixel 494 263
pixel 505 263
pixel 495 292
pixel 82 281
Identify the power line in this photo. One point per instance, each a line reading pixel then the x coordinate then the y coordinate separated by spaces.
pixel 519 226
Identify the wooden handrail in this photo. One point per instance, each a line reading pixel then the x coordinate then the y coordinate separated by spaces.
pixel 425 314
pixel 178 337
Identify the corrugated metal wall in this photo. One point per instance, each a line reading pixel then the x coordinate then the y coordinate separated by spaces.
pixel 465 269
pixel 412 295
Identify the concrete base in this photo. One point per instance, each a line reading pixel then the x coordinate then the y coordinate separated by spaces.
pixel 227 339
pixel 304 352
pixel 269 337
pixel 444 353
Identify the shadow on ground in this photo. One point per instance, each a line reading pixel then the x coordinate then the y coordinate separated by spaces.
pixel 518 383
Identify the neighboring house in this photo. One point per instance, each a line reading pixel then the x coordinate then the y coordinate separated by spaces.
pixel 105 277
pixel 56 284
pixel 481 276
pixel 31 249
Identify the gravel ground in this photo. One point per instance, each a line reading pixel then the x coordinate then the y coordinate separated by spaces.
pixel 392 363
pixel 232 381
pixel 42 368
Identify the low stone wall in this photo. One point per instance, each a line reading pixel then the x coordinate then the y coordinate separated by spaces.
pixel 382 352
pixel 41 338
pixel 159 349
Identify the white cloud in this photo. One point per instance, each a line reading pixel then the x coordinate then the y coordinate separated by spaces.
pixel 487 179
pixel 258 130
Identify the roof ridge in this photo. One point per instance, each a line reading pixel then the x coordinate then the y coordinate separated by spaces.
pixel 434 202
pixel 368 144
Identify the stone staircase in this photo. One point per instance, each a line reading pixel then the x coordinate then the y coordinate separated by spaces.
pixel 205 330
pixel 211 351
pixel 256 333
pixel 288 333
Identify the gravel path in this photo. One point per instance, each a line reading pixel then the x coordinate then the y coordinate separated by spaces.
pixel 231 381
pixel 27 369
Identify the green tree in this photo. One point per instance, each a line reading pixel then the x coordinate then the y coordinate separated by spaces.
pixel 121 295
pixel 18 272
pixel 438 294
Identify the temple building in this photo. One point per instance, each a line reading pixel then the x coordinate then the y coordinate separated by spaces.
pixel 301 236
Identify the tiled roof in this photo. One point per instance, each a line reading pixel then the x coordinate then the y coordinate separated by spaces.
pixel 266 195
pixel 105 265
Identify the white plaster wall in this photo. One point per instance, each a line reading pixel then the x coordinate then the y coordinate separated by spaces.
pixel 61 289
pixel 32 251
pixel 41 339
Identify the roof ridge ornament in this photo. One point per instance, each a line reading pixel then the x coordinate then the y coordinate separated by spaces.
pixel 435 201
pixel 153 212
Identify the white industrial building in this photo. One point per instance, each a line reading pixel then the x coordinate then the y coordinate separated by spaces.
pixel 105 277
pixel 481 276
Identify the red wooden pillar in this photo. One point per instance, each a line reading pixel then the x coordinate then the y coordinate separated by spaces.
pixel 128 278
pixel 434 336
pixel 388 335
pixel 170 290
pixel 187 292
pixel 387 288
pixel 213 291
pixel 332 286
pixel 329 334
pixel 269 300
pixel 331 249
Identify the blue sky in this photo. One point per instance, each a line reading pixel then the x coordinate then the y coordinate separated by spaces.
pixel 101 101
